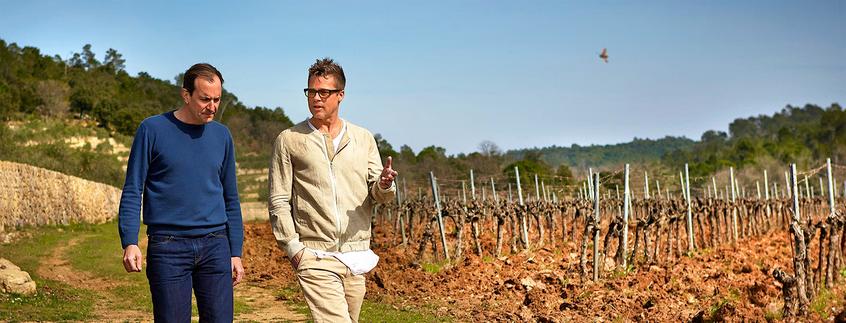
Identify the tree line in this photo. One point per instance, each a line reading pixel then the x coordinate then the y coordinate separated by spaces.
pixel 803 135
pixel 85 87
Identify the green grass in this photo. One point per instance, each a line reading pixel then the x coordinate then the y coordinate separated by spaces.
pixel 774 316
pixel 732 297
pixel 292 296
pixel 371 311
pixel 822 302
pixel 434 267
pixel 53 301
pixel 379 312
pixel 620 272
pixel 99 253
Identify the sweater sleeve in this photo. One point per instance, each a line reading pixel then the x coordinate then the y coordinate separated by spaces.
pixel 280 181
pixel 229 181
pixel 129 212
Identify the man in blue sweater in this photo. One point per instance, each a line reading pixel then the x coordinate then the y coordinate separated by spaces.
pixel 181 168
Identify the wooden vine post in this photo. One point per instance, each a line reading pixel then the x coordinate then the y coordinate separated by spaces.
pixel 798 245
pixel 626 210
pixel 523 225
pixel 690 241
pixel 597 262
pixel 436 194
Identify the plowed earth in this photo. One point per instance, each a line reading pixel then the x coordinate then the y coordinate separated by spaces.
pixel 729 282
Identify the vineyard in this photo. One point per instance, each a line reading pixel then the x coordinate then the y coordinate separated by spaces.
pixel 608 251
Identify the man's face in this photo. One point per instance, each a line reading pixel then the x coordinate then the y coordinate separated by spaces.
pixel 202 104
pixel 323 108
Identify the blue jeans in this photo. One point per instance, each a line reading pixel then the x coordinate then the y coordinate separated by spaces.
pixel 175 265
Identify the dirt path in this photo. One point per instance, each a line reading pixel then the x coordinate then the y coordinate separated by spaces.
pixel 57 267
pixel 265 307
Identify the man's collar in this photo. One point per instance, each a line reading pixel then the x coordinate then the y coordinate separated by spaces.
pixel 343 127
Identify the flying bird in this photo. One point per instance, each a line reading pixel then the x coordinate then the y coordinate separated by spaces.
pixel 604 55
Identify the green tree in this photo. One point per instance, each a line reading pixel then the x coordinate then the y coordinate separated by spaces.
pixel 385 148
pixel 89 59
pixel 114 61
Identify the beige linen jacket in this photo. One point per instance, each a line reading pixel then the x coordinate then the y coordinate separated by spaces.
pixel 321 200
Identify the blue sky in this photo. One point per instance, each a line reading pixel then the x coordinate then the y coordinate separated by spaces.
pixel 454 74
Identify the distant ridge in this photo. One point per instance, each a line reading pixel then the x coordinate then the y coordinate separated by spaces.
pixel 636 151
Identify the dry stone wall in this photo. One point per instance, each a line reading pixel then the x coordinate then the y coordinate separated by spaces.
pixel 32 196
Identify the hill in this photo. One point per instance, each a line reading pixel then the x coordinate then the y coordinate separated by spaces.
pixel 78 115
pixel 804 135
pixel 638 150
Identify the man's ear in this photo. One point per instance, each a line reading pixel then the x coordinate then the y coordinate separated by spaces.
pixel 340 96
pixel 185 95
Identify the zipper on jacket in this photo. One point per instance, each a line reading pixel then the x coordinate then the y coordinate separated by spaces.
pixel 334 192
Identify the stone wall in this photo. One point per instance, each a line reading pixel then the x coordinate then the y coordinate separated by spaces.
pixel 32 196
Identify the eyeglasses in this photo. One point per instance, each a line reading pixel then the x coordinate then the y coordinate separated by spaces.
pixel 324 93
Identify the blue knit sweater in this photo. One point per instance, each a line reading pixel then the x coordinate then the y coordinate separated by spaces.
pixel 185 177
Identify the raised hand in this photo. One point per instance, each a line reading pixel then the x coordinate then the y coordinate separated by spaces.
pixel 388 175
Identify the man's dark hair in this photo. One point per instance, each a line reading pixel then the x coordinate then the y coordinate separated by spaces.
pixel 326 67
pixel 204 70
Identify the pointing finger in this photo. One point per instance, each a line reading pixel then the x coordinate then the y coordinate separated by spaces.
pixel 389 162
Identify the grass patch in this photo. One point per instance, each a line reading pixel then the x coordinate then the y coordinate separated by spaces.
pixel 434 267
pixel 774 316
pixel 53 301
pixel 619 272
pixel 371 311
pixel 380 312
pixel 98 252
pixel 821 302
pixel 732 297
pixel 294 298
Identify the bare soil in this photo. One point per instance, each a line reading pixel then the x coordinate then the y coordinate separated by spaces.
pixel 727 283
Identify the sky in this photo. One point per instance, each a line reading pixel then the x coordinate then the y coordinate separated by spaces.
pixel 456 73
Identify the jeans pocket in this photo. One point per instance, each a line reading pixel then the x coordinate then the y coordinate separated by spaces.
pixel 158 240
pixel 219 234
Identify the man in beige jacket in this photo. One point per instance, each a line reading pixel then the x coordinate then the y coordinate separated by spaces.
pixel 325 175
